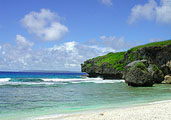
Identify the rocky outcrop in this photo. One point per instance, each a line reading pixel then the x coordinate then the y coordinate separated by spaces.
pixel 141 73
pixel 166 68
pixel 156 73
pixel 158 58
pixel 137 74
pixel 167 79
pixel 156 55
pixel 105 71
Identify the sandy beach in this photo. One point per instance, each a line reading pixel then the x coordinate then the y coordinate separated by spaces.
pixel 153 111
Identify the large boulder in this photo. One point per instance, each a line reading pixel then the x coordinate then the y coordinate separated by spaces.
pixel 137 74
pixel 167 79
pixel 140 73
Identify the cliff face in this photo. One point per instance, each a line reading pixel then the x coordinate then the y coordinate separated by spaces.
pixel 106 70
pixel 106 66
pixel 111 66
pixel 158 55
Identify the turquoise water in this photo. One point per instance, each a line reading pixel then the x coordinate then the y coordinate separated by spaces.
pixel 23 98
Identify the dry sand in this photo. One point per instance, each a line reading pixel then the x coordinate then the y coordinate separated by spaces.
pixel 153 111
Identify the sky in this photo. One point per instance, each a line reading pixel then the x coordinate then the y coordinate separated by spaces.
pixel 62 34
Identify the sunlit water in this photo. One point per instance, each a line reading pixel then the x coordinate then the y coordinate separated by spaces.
pixel 33 95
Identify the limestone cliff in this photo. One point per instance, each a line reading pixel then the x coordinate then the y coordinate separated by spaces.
pixel 112 65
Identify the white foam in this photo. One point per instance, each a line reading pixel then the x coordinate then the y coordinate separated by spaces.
pixel 47 117
pixel 50 81
pixel 69 80
pixel 104 81
pixel 59 80
pixel 4 79
pixel 27 83
pixel 76 82
pixel 162 101
pixel 80 80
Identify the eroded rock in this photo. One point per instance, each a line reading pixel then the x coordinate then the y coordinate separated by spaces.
pixel 140 73
pixel 167 79
pixel 137 74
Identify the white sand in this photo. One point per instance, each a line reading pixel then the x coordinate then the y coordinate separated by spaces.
pixel 153 111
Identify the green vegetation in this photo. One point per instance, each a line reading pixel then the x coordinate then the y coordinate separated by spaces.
pixel 88 65
pixel 140 65
pixel 155 68
pixel 133 53
pixel 168 42
pixel 115 60
pixel 111 58
pixel 119 66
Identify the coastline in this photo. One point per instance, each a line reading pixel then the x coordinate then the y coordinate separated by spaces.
pixel 149 111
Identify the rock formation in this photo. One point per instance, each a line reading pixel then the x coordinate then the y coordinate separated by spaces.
pixel 167 79
pixel 157 58
pixel 137 74
pixel 141 73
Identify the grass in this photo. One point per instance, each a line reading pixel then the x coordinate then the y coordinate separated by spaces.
pixel 115 60
pixel 162 43
pixel 133 53
pixel 111 58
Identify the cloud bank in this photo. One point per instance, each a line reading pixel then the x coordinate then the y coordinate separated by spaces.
pixel 66 56
pixel 152 11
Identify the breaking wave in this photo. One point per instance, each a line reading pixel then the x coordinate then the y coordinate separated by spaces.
pixel 51 81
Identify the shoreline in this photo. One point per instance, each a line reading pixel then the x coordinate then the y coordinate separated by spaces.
pixel 147 111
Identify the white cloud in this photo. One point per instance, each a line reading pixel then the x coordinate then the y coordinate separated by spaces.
pixel 146 11
pixel 72 54
pixel 111 42
pixel 45 25
pixel 115 43
pixel 67 56
pixel 152 11
pixel 15 56
pixel 164 11
pixel 22 42
pixel 103 49
pixel 107 2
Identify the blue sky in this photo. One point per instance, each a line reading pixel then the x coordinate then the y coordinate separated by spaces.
pixel 61 34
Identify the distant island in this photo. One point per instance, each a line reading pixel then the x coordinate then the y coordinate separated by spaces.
pixel 140 66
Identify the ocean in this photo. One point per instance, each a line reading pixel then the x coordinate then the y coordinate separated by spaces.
pixel 33 95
